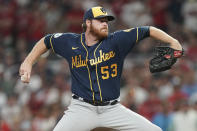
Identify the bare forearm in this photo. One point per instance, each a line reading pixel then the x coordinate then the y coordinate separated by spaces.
pixel 164 37
pixel 36 52
pixel 26 66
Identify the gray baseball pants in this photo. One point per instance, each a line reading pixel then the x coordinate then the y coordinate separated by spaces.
pixel 82 116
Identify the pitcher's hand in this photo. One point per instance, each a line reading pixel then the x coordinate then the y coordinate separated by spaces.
pixel 25 72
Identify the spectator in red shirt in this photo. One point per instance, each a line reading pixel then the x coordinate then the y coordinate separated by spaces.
pixel 158 10
pixel 4 126
pixel 151 106
pixel 74 17
pixel 192 49
pixel 177 95
pixel 7 17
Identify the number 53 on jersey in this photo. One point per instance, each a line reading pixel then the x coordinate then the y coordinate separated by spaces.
pixel 105 71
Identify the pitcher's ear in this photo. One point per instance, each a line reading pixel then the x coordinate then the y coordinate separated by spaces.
pixel 84 27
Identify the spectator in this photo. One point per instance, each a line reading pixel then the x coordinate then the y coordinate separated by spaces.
pixel 4 125
pixel 190 15
pixel 151 106
pixel 192 49
pixel 190 85
pixel 164 117
pixel 177 95
pixel 158 9
pixel 11 111
pixel 134 14
pixel 74 17
pixel 175 11
pixel 184 119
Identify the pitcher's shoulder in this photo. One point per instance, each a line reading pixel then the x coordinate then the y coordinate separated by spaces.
pixel 66 35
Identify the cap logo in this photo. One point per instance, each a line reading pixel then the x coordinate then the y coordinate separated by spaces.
pixel 103 10
pixel 98 11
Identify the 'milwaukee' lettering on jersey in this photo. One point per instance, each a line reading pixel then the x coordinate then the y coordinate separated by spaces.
pixel 78 62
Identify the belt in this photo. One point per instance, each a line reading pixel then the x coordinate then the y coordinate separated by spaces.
pixel 96 103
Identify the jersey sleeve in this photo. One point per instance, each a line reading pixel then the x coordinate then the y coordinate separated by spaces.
pixel 58 42
pixel 126 39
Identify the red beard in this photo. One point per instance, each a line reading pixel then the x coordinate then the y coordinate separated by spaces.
pixel 99 33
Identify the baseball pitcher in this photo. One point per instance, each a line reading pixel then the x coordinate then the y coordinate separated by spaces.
pixel 96 59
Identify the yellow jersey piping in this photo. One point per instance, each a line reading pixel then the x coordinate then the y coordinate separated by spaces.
pixel 88 68
pixel 52 44
pixel 137 35
pixel 97 73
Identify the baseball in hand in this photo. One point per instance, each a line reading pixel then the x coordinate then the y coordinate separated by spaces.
pixel 23 78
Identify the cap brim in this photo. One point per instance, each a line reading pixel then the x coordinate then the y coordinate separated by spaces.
pixel 109 17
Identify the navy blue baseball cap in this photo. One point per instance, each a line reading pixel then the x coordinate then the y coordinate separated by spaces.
pixel 96 13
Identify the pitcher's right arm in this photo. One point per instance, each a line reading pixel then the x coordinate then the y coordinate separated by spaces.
pixel 26 66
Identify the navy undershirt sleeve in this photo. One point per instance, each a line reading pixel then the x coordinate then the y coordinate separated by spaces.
pixel 47 41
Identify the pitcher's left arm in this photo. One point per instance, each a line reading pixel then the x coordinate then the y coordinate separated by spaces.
pixel 164 37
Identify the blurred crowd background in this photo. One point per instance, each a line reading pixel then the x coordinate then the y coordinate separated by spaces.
pixel 168 99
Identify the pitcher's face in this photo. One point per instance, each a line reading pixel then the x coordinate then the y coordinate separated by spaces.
pixel 99 27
